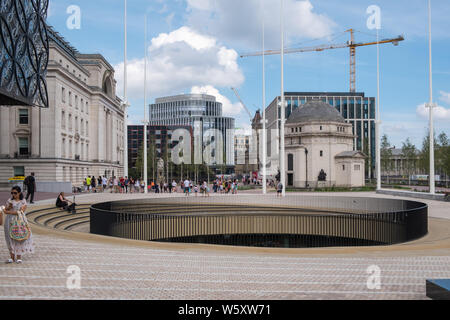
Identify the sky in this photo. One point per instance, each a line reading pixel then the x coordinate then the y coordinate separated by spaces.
pixel 194 46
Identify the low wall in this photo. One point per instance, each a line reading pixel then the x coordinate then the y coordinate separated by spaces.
pixel 411 194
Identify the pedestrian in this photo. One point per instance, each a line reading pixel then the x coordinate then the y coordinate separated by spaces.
pixel 14 207
pixel 280 189
pixel 142 185
pixel 174 186
pixel 186 187
pixel 116 185
pixel 88 183
pixel 126 183
pixel 105 183
pixel 30 183
pixel 94 184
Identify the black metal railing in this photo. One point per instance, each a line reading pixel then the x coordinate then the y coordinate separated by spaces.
pixel 289 222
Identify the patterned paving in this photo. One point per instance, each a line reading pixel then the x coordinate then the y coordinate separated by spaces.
pixel 116 270
pixel 123 272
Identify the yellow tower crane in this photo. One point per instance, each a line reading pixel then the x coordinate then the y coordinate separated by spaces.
pixel 350 44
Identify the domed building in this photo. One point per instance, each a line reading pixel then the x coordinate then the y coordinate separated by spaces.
pixel 319 149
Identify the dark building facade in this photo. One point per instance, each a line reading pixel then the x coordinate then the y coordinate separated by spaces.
pixel 24 53
pixel 160 136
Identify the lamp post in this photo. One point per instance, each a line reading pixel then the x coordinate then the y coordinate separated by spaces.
pixel 125 102
pixel 430 105
pixel 283 109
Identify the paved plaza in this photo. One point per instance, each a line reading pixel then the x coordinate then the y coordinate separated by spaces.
pixel 114 268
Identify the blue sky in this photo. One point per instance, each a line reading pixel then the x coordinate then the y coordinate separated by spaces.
pixel 194 46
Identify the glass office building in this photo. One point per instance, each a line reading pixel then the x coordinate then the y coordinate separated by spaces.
pixel 192 109
pixel 355 107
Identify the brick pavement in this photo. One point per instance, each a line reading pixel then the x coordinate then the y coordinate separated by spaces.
pixel 123 270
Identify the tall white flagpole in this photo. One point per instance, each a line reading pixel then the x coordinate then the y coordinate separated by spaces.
pixel 377 121
pixel 125 113
pixel 432 178
pixel 264 146
pixel 145 108
pixel 283 109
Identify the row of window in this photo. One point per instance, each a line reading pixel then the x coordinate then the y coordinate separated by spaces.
pixel 71 152
pixel 78 124
pixel 73 100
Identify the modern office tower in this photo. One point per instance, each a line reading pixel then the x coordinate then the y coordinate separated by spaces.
pixel 204 114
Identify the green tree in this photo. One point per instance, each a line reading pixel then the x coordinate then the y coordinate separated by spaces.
pixel 409 153
pixel 386 156
pixel 443 156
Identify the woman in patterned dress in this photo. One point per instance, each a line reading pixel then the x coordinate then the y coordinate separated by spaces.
pixel 16 248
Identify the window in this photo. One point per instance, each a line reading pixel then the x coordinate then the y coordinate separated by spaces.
pixel 63 119
pixel 19 171
pixel 63 95
pixel 320 128
pixel 343 167
pixel 63 148
pixel 70 122
pixel 321 153
pixel 76 102
pixel 82 127
pixel 82 105
pixel 76 124
pixel 87 128
pixel 290 162
pixel 23 146
pixel 23 116
pixel 70 98
pixel 87 109
pixel 357 167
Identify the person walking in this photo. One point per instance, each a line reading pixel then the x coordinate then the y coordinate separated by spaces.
pixel 13 206
pixel 30 183
pixel 280 189
pixel 94 184
pixel 186 187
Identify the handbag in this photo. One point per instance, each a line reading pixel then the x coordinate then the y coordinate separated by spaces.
pixel 19 229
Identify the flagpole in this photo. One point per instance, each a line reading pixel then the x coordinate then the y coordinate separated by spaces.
pixel 264 146
pixel 145 108
pixel 125 102
pixel 377 121
pixel 283 109
pixel 432 178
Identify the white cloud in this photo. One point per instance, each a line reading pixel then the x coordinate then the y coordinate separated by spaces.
pixel 445 96
pixel 179 61
pixel 439 113
pixel 200 4
pixel 228 108
pixel 240 21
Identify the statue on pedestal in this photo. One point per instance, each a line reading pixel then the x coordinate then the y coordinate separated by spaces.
pixel 322 176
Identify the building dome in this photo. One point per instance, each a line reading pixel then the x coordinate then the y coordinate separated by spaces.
pixel 315 110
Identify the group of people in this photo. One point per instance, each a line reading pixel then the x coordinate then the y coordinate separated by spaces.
pixel 225 186
pixel 189 187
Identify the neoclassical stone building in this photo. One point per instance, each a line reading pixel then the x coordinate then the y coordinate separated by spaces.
pixel 80 134
pixel 317 139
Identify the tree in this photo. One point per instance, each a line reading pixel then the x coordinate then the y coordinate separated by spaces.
pixel 443 156
pixel 386 156
pixel 409 153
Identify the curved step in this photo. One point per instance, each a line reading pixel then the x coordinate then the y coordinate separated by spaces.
pixel 54 221
pixel 70 222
